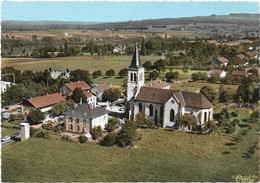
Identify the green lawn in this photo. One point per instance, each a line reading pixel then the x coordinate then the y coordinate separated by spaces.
pixel 159 156
pixel 9 128
pixel 104 79
pixel 90 63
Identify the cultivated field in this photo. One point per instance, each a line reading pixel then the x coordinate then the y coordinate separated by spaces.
pixel 90 63
pixel 160 155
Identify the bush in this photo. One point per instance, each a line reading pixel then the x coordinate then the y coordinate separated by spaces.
pixel 234 122
pixel 109 139
pixel 96 132
pixel 127 134
pixel 234 114
pixel 47 126
pixel 111 125
pixel 83 139
pixel 42 134
pixel 35 116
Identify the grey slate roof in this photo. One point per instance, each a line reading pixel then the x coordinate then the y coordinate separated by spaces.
pixel 188 99
pixel 136 62
pixel 85 111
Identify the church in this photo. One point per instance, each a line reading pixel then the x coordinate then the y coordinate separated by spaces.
pixel 162 105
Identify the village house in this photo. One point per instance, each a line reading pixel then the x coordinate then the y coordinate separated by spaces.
pixel 239 73
pixel 221 73
pixel 64 73
pixel 241 56
pixel 220 61
pixel 67 89
pixel 43 103
pixel 158 83
pixel 91 99
pixel 5 85
pixel 83 117
pixel 164 106
pixel 98 90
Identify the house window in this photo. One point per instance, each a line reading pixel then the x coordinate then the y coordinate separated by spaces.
pixel 70 119
pixel 172 115
pixel 70 127
pixel 151 110
pixel 140 107
pixel 205 117
pixel 84 120
pixel 77 120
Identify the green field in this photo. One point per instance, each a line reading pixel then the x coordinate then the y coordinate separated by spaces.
pixel 90 63
pixel 160 155
pixel 9 128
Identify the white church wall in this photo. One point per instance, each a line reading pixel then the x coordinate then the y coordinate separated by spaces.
pixel 200 113
pixel 170 104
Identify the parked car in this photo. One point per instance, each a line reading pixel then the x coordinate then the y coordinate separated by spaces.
pixel 5 138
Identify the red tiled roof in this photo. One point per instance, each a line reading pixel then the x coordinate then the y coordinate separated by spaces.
pixel 241 56
pixel 250 54
pixel 223 59
pixel 239 73
pixel 215 71
pixel 88 94
pixel 103 86
pixel 46 100
pixel 78 84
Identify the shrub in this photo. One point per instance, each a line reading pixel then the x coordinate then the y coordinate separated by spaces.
pixel 83 139
pixel 109 139
pixel 96 132
pixel 35 116
pixel 127 134
pixel 111 125
pixel 42 134
pixel 234 114
pixel 47 126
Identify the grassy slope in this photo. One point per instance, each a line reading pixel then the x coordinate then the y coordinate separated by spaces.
pixel 160 156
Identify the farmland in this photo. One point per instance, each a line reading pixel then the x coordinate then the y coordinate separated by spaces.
pixel 160 155
pixel 89 63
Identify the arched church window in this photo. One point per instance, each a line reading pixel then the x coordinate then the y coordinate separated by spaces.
pixel 205 117
pixel 172 115
pixel 134 77
pixel 131 78
pixel 151 110
pixel 140 107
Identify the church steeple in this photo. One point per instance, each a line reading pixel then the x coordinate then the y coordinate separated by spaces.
pixel 135 75
pixel 136 62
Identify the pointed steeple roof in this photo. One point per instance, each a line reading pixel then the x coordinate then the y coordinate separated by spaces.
pixel 136 62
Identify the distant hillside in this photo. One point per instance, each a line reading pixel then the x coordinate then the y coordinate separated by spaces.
pixel 242 19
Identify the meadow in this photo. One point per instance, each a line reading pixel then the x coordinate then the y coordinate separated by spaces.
pixel 160 155
pixel 90 63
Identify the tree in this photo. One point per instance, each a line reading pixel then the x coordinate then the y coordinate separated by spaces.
pixel 171 75
pixel 214 79
pixel 142 121
pixel 111 94
pixel 79 75
pixel 61 107
pixel 14 94
pixel 123 72
pixel 96 132
pixel 245 90
pixel 110 73
pixel 143 47
pixel 159 65
pixel 226 95
pixel 83 139
pixel 154 75
pixel 148 65
pixel 109 139
pixel 187 120
pixel 127 134
pixel 111 125
pixel 209 93
pixel 66 47
pixel 35 116
pixel 185 69
pixel 97 74
pixel 78 95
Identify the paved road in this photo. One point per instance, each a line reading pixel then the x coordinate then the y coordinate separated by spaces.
pixel 9 141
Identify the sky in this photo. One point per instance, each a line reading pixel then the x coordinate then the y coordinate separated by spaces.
pixel 114 11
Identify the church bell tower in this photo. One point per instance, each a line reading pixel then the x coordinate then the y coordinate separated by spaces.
pixel 135 75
